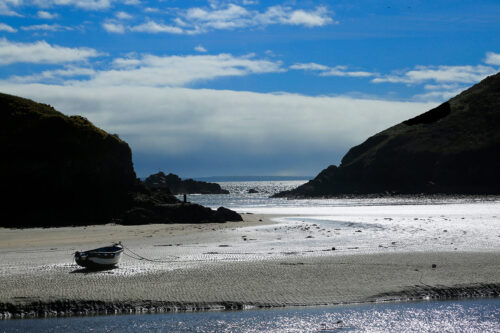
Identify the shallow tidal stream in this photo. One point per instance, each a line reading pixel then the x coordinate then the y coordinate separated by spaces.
pixel 434 316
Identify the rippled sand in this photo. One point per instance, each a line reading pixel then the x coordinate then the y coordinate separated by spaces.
pixel 268 260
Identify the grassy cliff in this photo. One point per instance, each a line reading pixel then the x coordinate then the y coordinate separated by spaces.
pixel 452 149
pixel 61 171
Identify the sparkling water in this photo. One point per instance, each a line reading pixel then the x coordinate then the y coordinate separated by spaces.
pixel 241 200
pixel 366 224
pixel 438 316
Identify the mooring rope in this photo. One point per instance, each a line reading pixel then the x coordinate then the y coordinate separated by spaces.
pixel 137 256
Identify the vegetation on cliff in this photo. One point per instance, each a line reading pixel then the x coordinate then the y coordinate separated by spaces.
pixel 452 149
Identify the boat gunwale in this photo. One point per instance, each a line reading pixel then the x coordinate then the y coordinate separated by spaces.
pixel 98 252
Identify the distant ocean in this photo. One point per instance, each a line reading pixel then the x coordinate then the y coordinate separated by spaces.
pixel 239 197
pixel 217 179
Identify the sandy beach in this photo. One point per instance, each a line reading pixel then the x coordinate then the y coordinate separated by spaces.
pixel 267 260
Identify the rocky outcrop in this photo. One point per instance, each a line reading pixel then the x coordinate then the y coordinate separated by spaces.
pixel 452 149
pixel 175 185
pixel 224 214
pixel 59 170
pixel 154 206
pixel 178 213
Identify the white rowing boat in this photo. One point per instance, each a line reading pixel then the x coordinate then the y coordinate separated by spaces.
pixel 103 257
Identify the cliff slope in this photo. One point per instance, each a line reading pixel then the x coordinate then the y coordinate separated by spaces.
pixel 59 170
pixel 451 149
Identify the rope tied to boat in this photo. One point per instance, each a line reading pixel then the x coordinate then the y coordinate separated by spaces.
pixel 137 256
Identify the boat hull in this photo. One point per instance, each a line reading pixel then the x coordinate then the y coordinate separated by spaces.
pixel 106 257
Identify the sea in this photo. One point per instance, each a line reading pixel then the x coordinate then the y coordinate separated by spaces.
pixel 413 228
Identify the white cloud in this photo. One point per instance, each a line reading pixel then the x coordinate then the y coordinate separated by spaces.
pixel 270 53
pixel 443 86
pixel 123 16
pixel 492 58
pixel 46 27
pixel 439 96
pixel 6 27
pixel 83 4
pixel 151 10
pixel 231 16
pixel 154 27
pixel 234 16
pixel 113 27
pixel 6 7
pixel 317 18
pixel 146 70
pixel 154 71
pixel 200 48
pixel 439 92
pixel 127 62
pixel 330 71
pixel 46 15
pixel 309 66
pixel 57 75
pixel 342 71
pixel 442 82
pixel 440 74
pixel 173 121
pixel 41 52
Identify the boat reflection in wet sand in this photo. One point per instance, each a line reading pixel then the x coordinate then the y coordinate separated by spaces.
pixel 103 257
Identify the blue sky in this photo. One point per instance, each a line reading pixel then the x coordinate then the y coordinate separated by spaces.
pixel 245 87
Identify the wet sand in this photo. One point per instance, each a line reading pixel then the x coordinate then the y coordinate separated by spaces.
pixel 222 266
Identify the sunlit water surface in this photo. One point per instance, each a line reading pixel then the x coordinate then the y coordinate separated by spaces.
pixel 445 316
pixel 241 200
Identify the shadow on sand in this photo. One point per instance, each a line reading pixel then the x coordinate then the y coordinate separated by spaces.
pixel 92 270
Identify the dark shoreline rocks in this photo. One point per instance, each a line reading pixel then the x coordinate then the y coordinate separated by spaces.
pixel 451 149
pixel 178 213
pixel 175 185
pixel 67 308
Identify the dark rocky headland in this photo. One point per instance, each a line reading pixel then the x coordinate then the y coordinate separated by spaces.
pixel 173 184
pixel 60 171
pixel 451 149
